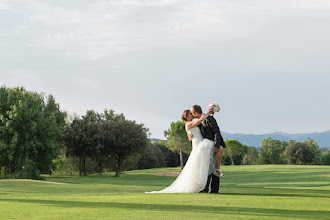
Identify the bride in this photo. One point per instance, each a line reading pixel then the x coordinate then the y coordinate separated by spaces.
pixel 193 177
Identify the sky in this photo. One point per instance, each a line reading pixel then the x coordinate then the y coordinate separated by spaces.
pixel 266 63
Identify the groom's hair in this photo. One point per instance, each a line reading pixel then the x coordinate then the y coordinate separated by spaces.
pixel 197 109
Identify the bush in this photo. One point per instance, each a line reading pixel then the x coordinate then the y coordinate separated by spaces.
pixel 299 153
pixel 66 165
pixel 326 158
pixel 271 151
pixel 151 157
pixel 250 155
pixel 31 127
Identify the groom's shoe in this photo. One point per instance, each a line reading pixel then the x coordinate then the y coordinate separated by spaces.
pixel 203 191
pixel 214 192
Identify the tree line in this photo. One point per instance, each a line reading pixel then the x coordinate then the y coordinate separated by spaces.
pixel 36 138
pixel 272 151
pixel 31 126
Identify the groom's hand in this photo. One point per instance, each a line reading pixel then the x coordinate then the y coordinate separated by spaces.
pixel 190 137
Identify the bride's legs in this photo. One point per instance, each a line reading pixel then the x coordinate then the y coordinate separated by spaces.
pixel 218 156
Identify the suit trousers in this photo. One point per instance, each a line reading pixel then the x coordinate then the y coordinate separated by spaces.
pixel 212 185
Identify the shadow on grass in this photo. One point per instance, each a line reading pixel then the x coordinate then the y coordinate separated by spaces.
pixel 306 214
pixel 128 180
pixel 263 178
pixel 275 176
pixel 272 194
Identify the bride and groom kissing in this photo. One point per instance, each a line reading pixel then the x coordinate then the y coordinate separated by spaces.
pixel 202 170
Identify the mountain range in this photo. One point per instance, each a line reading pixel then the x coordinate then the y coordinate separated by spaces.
pixel 322 138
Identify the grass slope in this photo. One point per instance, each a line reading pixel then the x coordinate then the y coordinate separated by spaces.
pixel 247 192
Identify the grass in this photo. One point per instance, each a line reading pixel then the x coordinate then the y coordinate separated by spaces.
pixel 247 192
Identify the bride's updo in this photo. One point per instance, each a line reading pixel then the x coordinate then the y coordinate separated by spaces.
pixel 184 116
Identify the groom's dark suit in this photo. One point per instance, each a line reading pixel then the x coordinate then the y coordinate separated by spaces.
pixel 211 131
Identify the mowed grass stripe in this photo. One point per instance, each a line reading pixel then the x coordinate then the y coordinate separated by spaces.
pixel 247 192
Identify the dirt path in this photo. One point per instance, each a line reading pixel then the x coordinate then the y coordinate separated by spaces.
pixel 168 173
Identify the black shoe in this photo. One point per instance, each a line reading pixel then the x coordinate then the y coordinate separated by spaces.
pixel 203 191
pixel 214 192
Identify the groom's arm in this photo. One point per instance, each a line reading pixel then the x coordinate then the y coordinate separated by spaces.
pixel 190 137
pixel 216 130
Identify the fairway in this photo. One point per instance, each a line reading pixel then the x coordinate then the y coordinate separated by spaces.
pixel 247 192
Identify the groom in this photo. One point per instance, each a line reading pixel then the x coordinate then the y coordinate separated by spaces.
pixel 210 130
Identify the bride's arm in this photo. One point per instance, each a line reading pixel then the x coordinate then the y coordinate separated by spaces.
pixel 198 121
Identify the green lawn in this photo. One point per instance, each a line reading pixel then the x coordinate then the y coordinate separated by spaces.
pixel 247 192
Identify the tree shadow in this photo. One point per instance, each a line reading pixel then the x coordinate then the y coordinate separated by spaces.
pixel 181 209
pixel 129 180
pixel 273 194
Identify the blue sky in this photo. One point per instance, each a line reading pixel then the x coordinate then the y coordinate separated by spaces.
pixel 265 62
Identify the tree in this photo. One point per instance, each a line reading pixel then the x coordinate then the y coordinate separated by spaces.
pixel 121 138
pixel 66 165
pixel 233 148
pixel 298 153
pixel 271 151
pixel 171 159
pixel 326 158
pixel 178 140
pixel 82 138
pixel 316 150
pixel 30 132
pixel 55 124
pixel 250 156
pixel 151 157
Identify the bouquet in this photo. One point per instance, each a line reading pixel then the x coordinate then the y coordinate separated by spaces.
pixel 214 107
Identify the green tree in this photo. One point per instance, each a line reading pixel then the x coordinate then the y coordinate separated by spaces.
pixel 316 150
pixel 171 159
pixel 30 132
pixel 250 155
pixel 82 138
pixel 271 151
pixel 299 153
pixel 151 157
pixel 326 158
pixel 122 138
pixel 178 140
pixel 55 126
pixel 66 165
pixel 234 148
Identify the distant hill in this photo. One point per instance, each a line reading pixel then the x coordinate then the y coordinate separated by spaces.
pixel 155 139
pixel 322 138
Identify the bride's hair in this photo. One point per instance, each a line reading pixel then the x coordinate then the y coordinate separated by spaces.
pixel 184 116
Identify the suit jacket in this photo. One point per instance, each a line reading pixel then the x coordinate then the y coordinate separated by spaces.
pixel 210 130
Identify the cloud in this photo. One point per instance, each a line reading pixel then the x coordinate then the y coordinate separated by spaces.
pixel 261 60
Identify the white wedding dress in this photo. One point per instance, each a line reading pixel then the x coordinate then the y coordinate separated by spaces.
pixel 193 177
